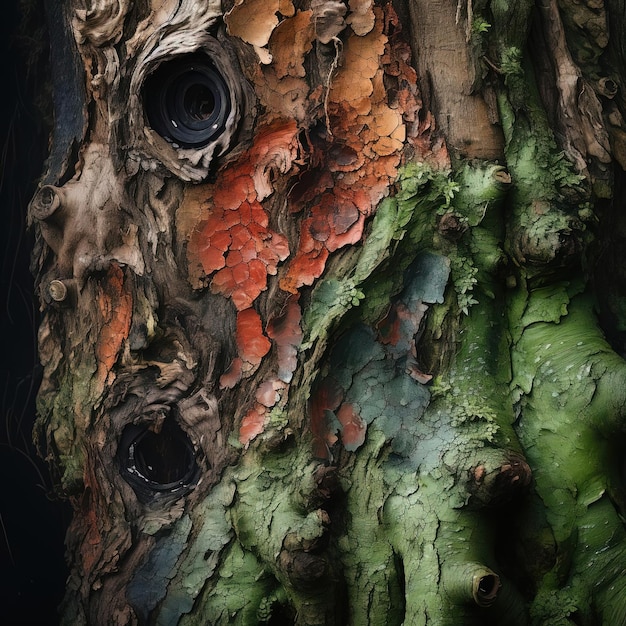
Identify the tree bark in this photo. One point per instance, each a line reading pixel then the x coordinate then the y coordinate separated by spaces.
pixel 333 310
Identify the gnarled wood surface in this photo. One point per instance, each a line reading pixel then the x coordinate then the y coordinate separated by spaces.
pixel 319 339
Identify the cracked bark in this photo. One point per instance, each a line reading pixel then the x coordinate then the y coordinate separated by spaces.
pixel 327 331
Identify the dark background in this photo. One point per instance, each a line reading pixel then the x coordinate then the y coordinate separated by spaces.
pixel 32 521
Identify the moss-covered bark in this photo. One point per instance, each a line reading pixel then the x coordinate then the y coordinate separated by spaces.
pixel 324 333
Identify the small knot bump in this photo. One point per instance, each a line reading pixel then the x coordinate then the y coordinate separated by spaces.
pixel 496 482
pixel 607 87
pixel 303 568
pixel 61 291
pixel 502 178
pixel 45 203
pixel 470 582
pixel 485 589
pixel 57 290
pixel 452 226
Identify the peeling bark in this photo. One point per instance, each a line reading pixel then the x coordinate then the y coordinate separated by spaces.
pixel 320 295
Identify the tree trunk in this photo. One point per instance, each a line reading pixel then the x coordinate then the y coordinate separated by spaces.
pixel 333 310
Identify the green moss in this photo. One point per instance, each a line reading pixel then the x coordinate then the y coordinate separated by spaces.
pixel 479 26
pixel 572 384
pixel 464 279
pixel 368 561
pixel 241 593
pixel 511 62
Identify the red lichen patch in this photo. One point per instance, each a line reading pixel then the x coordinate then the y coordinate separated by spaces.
pixel 327 397
pixel 252 345
pixel 305 268
pixel 115 305
pixel 353 427
pixel 234 243
pixel 252 424
pixel 286 333
pixel 274 154
pixel 268 395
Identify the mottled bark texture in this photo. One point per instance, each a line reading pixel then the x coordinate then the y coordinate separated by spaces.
pixel 334 306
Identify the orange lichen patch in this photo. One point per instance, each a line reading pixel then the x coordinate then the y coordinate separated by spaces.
pixel 362 148
pixel 253 21
pixel 326 398
pixel 359 109
pixel 286 97
pixel 361 17
pixel 353 427
pixel 252 346
pixel 234 243
pixel 115 305
pixel 290 42
pixel 286 333
pixel 361 62
pixel 280 84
